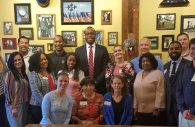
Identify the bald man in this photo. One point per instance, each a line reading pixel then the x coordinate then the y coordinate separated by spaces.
pixel 144 47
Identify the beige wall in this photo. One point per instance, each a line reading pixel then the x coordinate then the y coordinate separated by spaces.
pixel 7 14
pixel 148 11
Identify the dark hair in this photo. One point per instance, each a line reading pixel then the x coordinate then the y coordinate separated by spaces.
pixel 59 36
pixel 182 34
pixel 175 42
pixel 76 73
pixel 10 64
pixel 22 38
pixel 192 42
pixel 34 62
pixel 151 58
pixel 62 74
pixel 86 81
pixel 89 27
pixel 124 91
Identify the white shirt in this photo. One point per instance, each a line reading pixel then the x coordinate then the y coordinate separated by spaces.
pixel 177 65
pixel 26 58
pixel 93 48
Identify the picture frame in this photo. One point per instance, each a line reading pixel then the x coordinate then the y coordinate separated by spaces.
pixel 70 38
pixel 159 55
pixel 46 26
pixel 188 25
pixel 22 13
pixel 77 12
pixel 50 47
pixel 154 41
pixel 27 32
pixel 166 40
pixel 7 56
pixel 166 21
pixel 7 28
pixel 106 17
pixel 99 37
pixel 36 48
pixel 9 43
pixel 112 38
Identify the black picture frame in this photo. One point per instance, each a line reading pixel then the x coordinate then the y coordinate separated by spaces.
pixel 22 13
pixel 166 40
pixel 165 21
pixel 154 41
pixel 77 12
pixel 36 48
pixel 70 38
pixel 188 25
pixel 27 32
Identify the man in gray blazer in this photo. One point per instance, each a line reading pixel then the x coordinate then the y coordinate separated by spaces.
pixel 172 71
pixel 100 59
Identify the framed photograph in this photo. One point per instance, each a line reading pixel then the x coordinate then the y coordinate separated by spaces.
pixel 165 21
pixel 99 37
pixel 7 56
pixel 76 12
pixel 36 48
pixel 27 32
pixel 159 55
pixel 50 47
pixel 22 13
pixel 70 38
pixel 166 40
pixel 106 17
pixel 112 38
pixel 154 41
pixel 46 26
pixel 7 28
pixel 188 25
pixel 9 43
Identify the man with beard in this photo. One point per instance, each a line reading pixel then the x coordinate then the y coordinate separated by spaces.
pixel 58 56
pixel 172 71
pixel 93 59
pixel 23 44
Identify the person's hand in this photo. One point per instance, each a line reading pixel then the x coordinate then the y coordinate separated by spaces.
pixel 15 112
pixel 187 115
pixel 155 112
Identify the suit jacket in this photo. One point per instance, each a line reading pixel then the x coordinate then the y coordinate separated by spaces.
pixel 100 61
pixel 170 84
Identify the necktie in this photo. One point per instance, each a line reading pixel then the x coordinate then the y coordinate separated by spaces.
pixel 173 69
pixel 90 62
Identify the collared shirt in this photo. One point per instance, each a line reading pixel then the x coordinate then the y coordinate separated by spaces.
pixel 88 49
pixel 26 58
pixel 177 65
pixel 186 55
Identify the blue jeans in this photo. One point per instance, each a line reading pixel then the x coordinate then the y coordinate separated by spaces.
pixel 21 120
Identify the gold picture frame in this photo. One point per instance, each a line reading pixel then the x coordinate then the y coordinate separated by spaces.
pixel 106 17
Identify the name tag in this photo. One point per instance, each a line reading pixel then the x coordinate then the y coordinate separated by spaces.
pixel 193 78
pixel 83 103
pixel 165 71
pixel 107 103
pixel 45 78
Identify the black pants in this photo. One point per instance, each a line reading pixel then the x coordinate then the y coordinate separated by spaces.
pixel 3 116
pixel 36 114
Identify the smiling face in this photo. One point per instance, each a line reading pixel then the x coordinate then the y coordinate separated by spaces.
pixel 88 89
pixel 23 45
pixel 18 62
pixel 117 85
pixel 146 64
pixel 118 52
pixel 90 36
pixel 144 45
pixel 58 43
pixel 71 62
pixel 175 51
pixel 62 83
pixel 43 62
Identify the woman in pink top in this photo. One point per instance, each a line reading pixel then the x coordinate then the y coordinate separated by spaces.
pixel 120 67
pixel 75 75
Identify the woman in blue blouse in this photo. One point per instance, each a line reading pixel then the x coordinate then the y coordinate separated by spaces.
pixel 117 103
pixel 56 105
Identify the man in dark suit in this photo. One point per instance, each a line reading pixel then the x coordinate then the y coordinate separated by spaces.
pixel 100 59
pixel 172 70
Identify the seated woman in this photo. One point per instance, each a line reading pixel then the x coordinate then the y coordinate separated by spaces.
pixel 149 94
pixel 88 108
pixel 56 105
pixel 41 82
pixel 120 67
pixel 118 103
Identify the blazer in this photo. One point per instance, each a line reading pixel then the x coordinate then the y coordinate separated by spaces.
pixel 101 58
pixel 109 112
pixel 171 84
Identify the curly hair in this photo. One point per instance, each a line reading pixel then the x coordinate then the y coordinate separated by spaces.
pixel 12 68
pixel 86 81
pixel 34 62
pixel 151 58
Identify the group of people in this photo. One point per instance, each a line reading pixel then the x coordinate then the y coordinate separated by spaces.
pixel 86 87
